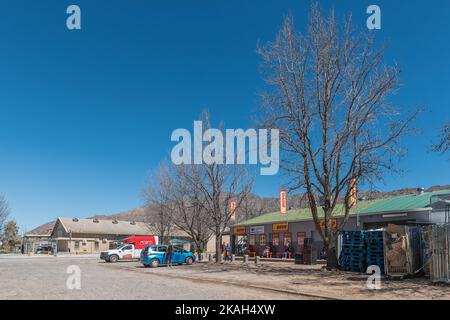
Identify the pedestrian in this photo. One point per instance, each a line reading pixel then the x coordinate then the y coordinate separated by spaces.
pixel 287 251
pixel 227 252
pixel 169 255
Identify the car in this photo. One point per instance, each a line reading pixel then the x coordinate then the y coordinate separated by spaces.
pixel 153 256
pixel 44 250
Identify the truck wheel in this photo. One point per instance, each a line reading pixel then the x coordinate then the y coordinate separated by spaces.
pixel 154 263
pixel 188 260
pixel 113 258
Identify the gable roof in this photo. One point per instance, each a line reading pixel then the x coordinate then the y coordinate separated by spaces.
pixel 406 203
pixel 88 226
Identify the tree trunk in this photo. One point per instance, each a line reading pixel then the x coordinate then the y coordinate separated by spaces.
pixel 218 248
pixel 332 260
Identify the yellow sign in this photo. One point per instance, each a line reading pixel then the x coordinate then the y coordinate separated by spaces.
pixel 280 227
pixel 240 231
pixel 283 202
pixel 333 224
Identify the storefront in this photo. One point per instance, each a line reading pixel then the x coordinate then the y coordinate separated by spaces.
pixel 276 231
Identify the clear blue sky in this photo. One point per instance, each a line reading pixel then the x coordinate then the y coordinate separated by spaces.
pixel 86 114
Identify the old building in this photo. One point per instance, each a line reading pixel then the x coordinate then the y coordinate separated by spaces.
pixel 93 235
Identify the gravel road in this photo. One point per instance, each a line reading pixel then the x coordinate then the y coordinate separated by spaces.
pixel 45 277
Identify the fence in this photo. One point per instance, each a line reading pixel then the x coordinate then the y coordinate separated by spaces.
pixel 439 255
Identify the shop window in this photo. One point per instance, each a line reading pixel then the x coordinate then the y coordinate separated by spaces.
pixel 262 240
pixel 97 247
pixel 276 239
pixel 287 239
pixel 77 245
pixel 301 240
pixel 252 240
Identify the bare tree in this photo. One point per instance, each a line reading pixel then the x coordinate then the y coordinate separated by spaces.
pixel 188 212
pixel 254 206
pixel 10 235
pixel 217 185
pixel 4 212
pixel 156 197
pixel 443 146
pixel 329 101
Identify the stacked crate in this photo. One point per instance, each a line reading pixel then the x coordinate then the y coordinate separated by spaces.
pixel 353 251
pixel 374 251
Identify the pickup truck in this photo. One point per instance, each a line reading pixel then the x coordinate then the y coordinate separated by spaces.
pixel 129 250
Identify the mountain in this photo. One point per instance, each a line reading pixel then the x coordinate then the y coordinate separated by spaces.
pixel 254 207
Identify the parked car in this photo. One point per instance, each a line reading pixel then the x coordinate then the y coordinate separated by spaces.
pixel 153 256
pixel 44 250
pixel 131 249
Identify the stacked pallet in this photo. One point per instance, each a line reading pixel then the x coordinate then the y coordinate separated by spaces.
pixel 353 251
pixel 374 249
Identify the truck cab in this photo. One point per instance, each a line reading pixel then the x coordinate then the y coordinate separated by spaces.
pixel 130 249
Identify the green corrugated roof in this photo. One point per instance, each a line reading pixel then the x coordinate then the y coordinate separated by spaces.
pixel 298 215
pixel 403 203
pixel 394 204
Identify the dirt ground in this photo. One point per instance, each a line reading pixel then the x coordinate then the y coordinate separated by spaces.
pixel 309 281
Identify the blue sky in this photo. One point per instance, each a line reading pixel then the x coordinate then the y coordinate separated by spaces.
pixel 86 114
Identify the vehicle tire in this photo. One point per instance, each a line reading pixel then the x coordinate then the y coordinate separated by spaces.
pixel 189 260
pixel 154 263
pixel 113 258
pixel 107 260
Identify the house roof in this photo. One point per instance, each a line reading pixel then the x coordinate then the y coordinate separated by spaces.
pixel 88 226
pixel 404 203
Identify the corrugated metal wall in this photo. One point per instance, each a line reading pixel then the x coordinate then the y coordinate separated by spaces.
pixel 438 241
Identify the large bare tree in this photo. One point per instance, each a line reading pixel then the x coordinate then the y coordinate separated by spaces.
pixel 217 185
pixel 4 212
pixel 443 146
pixel 327 95
pixel 188 213
pixel 156 202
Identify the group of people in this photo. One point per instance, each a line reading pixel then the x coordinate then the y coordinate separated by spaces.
pixel 269 250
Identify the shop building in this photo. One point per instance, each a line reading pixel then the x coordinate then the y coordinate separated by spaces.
pixel 277 231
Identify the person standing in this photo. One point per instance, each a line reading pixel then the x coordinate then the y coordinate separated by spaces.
pixel 169 254
pixel 227 252
pixel 287 251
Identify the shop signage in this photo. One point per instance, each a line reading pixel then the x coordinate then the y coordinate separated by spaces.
pixel 333 224
pixel 257 230
pixel 233 206
pixel 239 231
pixel 283 202
pixel 280 227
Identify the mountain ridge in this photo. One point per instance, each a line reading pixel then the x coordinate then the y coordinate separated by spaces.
pixel 139 214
